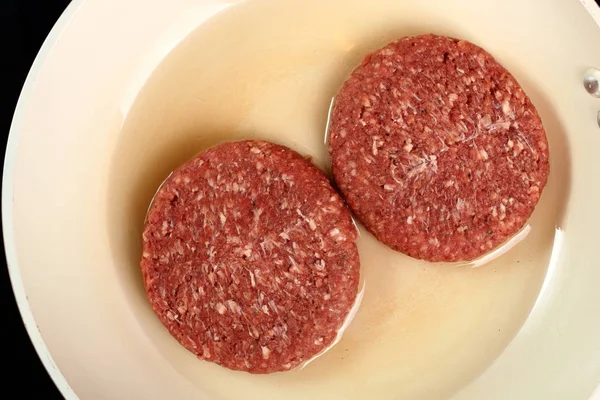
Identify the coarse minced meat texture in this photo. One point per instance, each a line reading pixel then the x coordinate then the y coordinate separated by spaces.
pixel 437 149
pixel 249 257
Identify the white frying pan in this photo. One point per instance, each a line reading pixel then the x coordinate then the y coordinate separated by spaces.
pixel 124 91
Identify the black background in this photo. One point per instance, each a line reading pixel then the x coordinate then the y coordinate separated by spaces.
pixel 25 24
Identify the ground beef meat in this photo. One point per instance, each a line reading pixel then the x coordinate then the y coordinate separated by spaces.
pixel 249 257
pixel 437 149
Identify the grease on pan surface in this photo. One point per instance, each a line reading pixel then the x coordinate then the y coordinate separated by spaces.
pixel 249 257
pixel 437 149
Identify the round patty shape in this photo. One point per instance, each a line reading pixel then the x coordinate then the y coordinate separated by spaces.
pixel 249 257
pixel 437 149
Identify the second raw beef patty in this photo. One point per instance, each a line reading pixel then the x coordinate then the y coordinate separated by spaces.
pixel 437 149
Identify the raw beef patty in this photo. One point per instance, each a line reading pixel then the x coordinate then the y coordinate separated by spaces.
pixel 249 257
pixel 437 149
